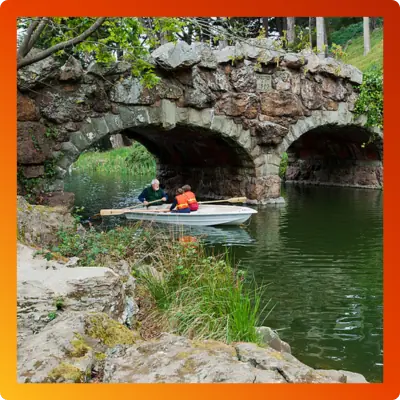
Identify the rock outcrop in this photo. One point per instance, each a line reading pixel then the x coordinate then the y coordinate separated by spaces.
pixel 87 347
pixel 38 225
pixel 46 288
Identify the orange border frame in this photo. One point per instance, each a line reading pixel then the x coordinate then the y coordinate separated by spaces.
pixel 9 10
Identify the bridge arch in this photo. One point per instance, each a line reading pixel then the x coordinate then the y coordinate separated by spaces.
pixel 211 152
pixel 219 120
pixel 334 148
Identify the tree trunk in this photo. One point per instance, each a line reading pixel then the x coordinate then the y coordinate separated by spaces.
pixel 310 27
pixel 367 43
pixel 373 23
pixel 279 25
pixel 320 36
pixel 290 29
pixel 265 25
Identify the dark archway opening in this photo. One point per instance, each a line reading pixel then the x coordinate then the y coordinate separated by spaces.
pixel 214 166
pixel 333 155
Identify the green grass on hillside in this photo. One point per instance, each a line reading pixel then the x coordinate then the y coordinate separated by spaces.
pixel 355 52
pixel 126 160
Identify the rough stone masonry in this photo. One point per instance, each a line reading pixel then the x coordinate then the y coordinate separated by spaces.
pixel 218 119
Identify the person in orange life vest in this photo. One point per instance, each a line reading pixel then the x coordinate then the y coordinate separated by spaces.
pixel 180 202
pixel 193 204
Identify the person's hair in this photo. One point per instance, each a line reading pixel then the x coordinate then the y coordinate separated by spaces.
pixel 155 181
pixel 186 188
pixel 179 191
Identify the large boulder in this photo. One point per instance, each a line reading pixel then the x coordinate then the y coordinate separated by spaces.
pixel 39 225
pixel 174 359
pixel 46 288
pixel 56 199
pixel 130 91
pixel 69 348
pixel 34 147
pixel 289 368
pixel 26 108
pixel 272 339
pixel 72 70
pixel 88 347
pixel 35 74
pixel 176 55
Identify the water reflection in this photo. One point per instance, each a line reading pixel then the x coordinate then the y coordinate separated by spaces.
pixel 321 254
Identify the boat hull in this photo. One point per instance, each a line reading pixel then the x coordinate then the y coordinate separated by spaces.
pixel 205 216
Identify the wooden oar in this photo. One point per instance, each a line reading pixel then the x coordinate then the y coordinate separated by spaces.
pixel 142 205
pixel 232 200
pixel 124 210
pixel 127 210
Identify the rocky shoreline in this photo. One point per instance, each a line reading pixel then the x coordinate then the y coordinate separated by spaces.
pixel 79 324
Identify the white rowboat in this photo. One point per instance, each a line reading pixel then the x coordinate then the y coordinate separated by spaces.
pixel 206 215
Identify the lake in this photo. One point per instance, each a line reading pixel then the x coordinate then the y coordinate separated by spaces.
pixel 321 255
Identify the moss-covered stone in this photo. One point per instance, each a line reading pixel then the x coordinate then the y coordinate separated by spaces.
pixel 79 347
pixel 189 367
pixel 213 347
pixel 66 372
pixel 111 333
pixel 100 356
pixel 38 364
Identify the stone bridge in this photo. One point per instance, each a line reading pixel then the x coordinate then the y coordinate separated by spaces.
pixel 219 120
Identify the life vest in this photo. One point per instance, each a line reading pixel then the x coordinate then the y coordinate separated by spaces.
pixel 191 199
pixel 182 202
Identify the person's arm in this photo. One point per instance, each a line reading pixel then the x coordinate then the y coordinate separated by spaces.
pixel 165 196
pixel 173 205
pixel 142 196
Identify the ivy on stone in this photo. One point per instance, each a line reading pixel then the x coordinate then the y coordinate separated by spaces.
pixel 370 100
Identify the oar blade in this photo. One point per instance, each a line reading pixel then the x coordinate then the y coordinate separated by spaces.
pixel 112 212
pixel 237 200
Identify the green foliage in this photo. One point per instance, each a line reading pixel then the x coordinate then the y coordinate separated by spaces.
pixel 126 160
pixel 301 41
pixel 93 247
pixel 52 315
pixel 370 99
pixel 199 295
pixel 355 52
pixel 50 169
pixel 77 214
pixel 35 143
pixel 283 165
pixel 342 35
pixel 51 133
pixel 122 38
pixel 203 296
pixel 59 303
pixel 337 51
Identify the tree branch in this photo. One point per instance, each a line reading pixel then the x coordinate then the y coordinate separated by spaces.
pixel 36 34
pixel 22 51
pixel 60 46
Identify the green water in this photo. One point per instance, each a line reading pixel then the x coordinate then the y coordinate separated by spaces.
pixel 320 253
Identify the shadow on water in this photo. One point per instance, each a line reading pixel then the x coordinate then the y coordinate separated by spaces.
pixel 320 253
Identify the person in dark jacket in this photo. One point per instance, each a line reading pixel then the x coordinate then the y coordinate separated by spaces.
pixel 152 193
